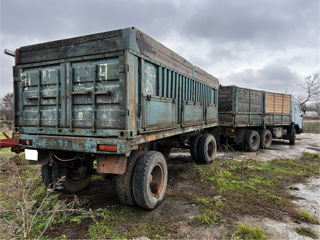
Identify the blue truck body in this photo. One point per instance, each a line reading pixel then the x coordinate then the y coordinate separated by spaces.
pixel 119 88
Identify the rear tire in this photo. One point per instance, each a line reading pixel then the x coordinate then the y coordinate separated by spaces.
pixel 150 180
pixel 252 141
pixel 75 180
pixel 292 138
pixel 265 138
pixel 207 148
pixel 124 181
pixel 46 175
pixel 194 147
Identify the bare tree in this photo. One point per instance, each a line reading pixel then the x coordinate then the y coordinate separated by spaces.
pixel 8 101
pixel 312 88
pixel 314 107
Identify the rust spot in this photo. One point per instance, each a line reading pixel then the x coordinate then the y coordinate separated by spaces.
pixel 151 137
pixel 115 164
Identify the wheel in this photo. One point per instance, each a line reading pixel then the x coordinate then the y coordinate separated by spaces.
pixel 292 137
pixel 75 179
pixel 46 175
pixel 252 141
pixel 207 148
pixel 124 181
pixel 194 147
pixel 150 180
pixel 265 138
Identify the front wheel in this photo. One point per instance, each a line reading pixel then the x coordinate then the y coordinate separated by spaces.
pixel 292 137
pixel 150 180
pixel 72 180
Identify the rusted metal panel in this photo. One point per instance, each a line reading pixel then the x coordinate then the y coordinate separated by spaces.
pixel 119 84
pixel 112 164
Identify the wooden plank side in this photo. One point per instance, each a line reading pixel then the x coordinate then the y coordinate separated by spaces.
pixel 286 103
pixel 269 102
pixel 278 103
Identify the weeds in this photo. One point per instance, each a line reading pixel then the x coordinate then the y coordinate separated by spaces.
pixel 207 217
pixel 252 187
pixel 245 232
pixel 306 232
pixel 115 224
pixel 304 216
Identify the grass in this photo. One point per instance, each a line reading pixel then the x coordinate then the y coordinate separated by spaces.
pixel 117 223
pixel 245 232
pixel 311 127
pixel 307 232
pixel 305 216
pixel 252 187
pixel 233 189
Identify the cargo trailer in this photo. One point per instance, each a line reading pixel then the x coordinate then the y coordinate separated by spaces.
pixel 252 118
pixel 119 98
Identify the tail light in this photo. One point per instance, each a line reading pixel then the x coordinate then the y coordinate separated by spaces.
pixel 26 142
pixel 107 148
pixel 232 130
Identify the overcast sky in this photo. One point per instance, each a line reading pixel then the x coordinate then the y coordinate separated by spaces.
pixel 263 44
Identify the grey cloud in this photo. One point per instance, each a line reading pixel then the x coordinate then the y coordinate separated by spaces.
pixel 272 77
pixel 236 32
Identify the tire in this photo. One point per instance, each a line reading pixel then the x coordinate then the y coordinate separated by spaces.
pixel 149 194
pixel 265 138
pixel 46 175
pixel 292 137
pixel 252 141
pixel 194 147
pixel 207 148
pixel 124 181
pixel 74 181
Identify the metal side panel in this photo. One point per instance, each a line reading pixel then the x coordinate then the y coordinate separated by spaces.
pixel 192 114
pixel 211 113
pixel 72 97
pixel 159 113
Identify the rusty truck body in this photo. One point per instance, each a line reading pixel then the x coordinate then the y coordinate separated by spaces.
pixel 252 118
pixel 119 98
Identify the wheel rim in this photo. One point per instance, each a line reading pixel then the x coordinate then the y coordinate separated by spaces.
pixel 254 140
pixel 210 150
pixel 156 180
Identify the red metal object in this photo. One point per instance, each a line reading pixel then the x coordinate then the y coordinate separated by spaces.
pixel 7 142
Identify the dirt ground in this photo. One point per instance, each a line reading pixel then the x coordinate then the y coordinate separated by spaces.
pixel 307 195
pixel 178 209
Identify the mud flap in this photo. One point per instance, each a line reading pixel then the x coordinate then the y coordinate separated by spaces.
pixel 114 164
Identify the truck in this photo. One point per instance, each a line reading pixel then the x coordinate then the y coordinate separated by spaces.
pixel 111 103
pixel 251 118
